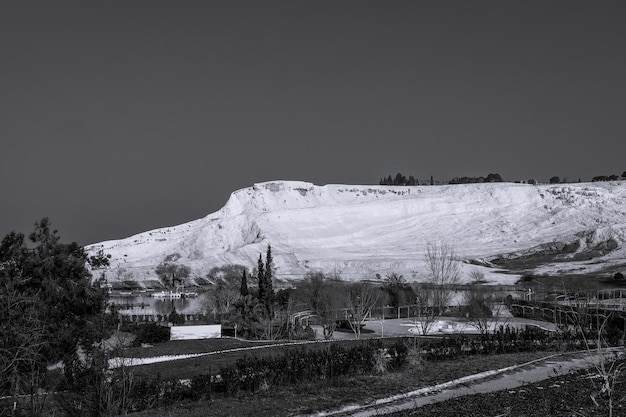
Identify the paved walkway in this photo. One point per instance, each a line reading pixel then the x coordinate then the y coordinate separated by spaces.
pixel 484 382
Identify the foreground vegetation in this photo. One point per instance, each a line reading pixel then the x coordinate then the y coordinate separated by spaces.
pixel 55 321
pixel 313 397
pixel 574 394
pixel 376 362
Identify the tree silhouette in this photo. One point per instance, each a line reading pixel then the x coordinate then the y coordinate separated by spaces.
pixel 171 273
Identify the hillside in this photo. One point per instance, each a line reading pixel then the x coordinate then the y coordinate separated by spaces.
pixel 359 231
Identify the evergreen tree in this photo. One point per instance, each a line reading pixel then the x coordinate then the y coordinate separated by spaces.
pixel 50 306
pixel 269 262
pixel 244 284
pixel 261 277
pixel 399 180
pixel 265 275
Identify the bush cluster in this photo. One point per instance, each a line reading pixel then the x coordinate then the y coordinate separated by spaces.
pixel 252 373
pixel 505 340
pixel 248 374
pixel 151 333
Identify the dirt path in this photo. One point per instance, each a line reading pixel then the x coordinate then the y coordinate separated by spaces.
pixel 484 382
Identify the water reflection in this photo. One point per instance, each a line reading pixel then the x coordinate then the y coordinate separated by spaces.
pixel 144 304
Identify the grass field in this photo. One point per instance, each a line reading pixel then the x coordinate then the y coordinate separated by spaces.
pixel 187 368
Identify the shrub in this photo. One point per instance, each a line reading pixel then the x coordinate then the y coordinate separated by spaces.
pixel 151 333
pixel 399 352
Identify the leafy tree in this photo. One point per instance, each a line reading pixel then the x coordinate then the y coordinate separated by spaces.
pixel 555 180
pixel 50 306
pixel 230 273
pixel 398 292
pixel 171 273
pixel 494 178
pixel 624 174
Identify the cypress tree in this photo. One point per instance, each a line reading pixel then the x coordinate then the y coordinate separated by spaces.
pixel 243 290
pixel 269 297
pixel 261 278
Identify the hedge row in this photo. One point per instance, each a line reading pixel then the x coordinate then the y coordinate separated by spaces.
pixel 252 373
pixel 505 340
pixel 329 363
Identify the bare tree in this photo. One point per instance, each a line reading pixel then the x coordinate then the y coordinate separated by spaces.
pixel 22 363
pixel 361 299
pixel 427 314
pixel 225 291
pixel 443 266
pixel 323 296
pixel 599 329
pixel 435 295
pixel 482 308
pixel 221 299
pixel 477 276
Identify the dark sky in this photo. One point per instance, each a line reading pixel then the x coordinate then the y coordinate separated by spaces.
pixel 120 117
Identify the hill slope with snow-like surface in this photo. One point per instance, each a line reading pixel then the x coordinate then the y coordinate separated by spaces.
pixel 359 231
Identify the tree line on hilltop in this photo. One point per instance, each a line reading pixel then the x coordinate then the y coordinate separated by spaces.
pixel 402 180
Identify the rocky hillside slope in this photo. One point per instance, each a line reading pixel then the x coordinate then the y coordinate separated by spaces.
pixel 359 231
